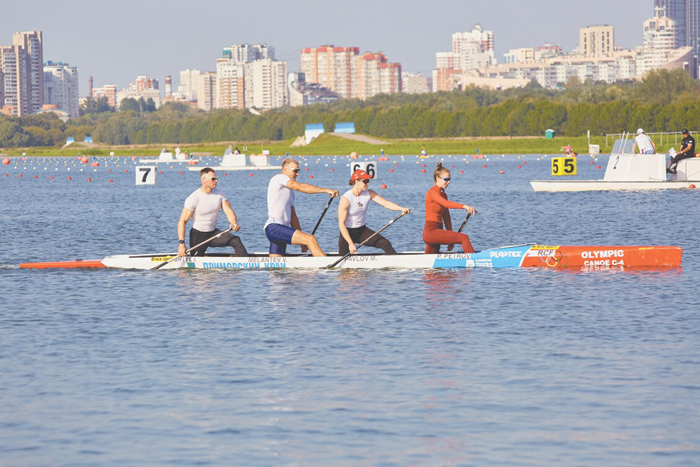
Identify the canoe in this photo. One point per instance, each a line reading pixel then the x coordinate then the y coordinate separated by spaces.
pixel 528 255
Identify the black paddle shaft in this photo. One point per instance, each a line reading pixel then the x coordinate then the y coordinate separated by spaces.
pixel 465 222
pixel 321 218
pixel 368 239
pixel 193 248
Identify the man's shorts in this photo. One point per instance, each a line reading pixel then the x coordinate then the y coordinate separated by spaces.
pixel 280 236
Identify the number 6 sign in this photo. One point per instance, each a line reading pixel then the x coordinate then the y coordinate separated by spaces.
pixel 146 175
pixel 369 167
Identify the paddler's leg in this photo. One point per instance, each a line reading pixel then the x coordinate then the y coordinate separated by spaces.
pixel 309 241
pixel 230 240
pixel 377 242
pixel 448 237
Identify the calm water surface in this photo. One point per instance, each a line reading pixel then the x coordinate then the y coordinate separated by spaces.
pixel 348 368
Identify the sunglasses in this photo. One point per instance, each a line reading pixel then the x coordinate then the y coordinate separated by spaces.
pixel 447 179
pixel 214 178
pixel 296 171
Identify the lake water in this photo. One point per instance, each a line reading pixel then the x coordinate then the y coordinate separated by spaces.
pixel 345 368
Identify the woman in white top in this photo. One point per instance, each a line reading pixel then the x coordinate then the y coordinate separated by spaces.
pixel 352 212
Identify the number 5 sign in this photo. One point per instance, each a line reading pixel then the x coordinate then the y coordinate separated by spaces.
pixel 146 175
pixel 369 167
pixel 563 166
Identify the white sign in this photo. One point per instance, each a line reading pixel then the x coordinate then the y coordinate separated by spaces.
pixel 369 167
pixel 146 175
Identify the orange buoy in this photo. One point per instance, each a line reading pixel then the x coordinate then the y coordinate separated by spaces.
pixel 51 178
pixel 69 178
pixel 423 165
pixel 692 185
pixel 95 164
pixel 383 187
pixel 6 161
pixel 311 176
pixel 423 171
pixel 84 160
pixel 390 170
pixel 461 171
pixel 250 175
pixel 597 167
pixel 110 180
pixel 35 176
pixel 20 175
pixel 502 171
pixel 353 155
pixel 125 171
pixel 89 179
pixel 484 165
pixel 519 167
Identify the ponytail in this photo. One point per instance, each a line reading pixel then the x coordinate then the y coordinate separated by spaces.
pixel 438 170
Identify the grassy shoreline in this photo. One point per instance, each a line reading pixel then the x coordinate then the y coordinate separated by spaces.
pixel 332 145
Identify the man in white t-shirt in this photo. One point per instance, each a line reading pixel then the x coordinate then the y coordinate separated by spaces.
pixel 644 143
pixel 203 207
pixel 282 227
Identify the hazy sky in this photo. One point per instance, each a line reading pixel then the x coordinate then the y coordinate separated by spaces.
pixel 116 40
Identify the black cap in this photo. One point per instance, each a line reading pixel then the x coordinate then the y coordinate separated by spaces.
pixel 685 131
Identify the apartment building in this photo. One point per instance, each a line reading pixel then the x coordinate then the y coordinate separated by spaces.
pixel 597 41
pixel 375 75
pixel 332 67
pixel 109 91
pixel 207 91
pixel 230 84
pixel 414 83
pixel 22 74
pixel 266 84
pixel 61 87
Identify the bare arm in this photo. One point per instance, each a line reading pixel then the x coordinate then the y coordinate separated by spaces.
pixel 343 208
pixel 185 216
pixel 310 189
pixel 294 220
pixel 231 216
pixel 386 203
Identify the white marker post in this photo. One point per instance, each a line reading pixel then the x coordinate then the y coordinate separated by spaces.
pixel 146 175
pixel 369 167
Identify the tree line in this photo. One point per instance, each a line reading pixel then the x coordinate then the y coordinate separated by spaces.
pixel 662 101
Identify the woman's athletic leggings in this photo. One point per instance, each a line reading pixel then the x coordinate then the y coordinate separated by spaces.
pixel 227 239
pixel 434 236
pixel 359 235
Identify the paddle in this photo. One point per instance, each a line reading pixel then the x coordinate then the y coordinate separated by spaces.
pixel 465 222
pixel 321 218
pixel 193 248
pixel 368 239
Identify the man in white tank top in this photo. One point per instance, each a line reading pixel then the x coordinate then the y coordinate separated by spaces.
pixel 203 207
pixel 282 227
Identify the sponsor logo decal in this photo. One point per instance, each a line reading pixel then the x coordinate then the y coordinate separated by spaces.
pixel 506 254
pixel 600 254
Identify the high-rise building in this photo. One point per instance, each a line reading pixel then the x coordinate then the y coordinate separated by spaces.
pixel 414 83
pixel 686 13
pixel 266 84
pixel 473 49
pixel 109 91
pixel 187 89
pixel 61 87
pixel 597 41
pixel 375 75
pixel 230 84
pixel 22 74
pixel 206 91
pixel 246 53
pixel 331 67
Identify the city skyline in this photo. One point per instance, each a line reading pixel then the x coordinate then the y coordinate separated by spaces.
pixel 162 38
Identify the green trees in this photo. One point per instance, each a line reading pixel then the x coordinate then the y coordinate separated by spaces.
pixel 662 101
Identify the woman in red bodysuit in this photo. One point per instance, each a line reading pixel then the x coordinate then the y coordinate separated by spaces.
pixel 437 212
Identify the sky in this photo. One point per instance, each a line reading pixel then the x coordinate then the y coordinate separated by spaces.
pixel 116 40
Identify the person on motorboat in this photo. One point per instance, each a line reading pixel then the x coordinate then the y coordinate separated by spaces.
pixel 687 151
pixel 282 227
pixel 203 208
pixel 644 143
pixel 351 216
pixel 437 215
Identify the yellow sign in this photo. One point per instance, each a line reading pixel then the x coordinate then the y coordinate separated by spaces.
pixel 160 259
pixel 564 166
